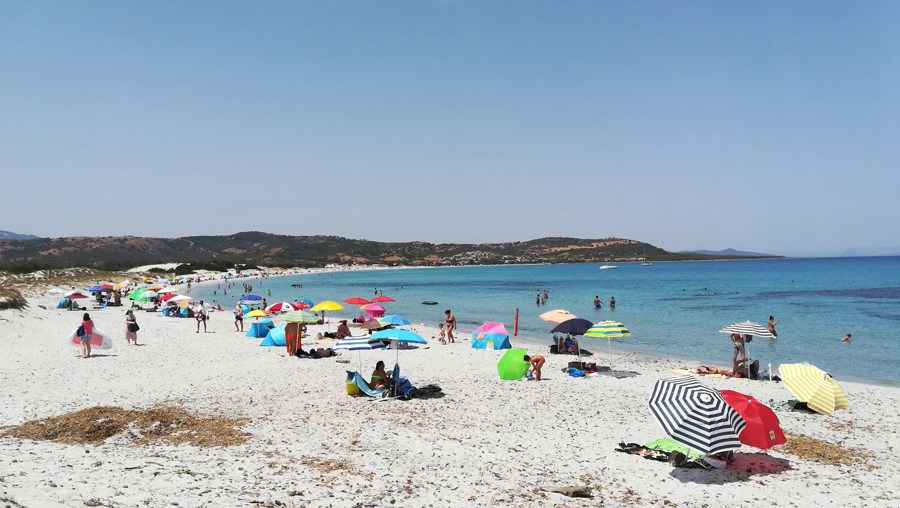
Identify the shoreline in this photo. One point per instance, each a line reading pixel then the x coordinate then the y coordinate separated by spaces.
pixel 481 442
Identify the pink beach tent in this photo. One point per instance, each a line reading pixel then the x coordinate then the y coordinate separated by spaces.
pixel 374 310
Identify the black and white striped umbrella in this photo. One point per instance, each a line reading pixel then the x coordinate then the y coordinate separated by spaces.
pixel 748 328
pixel 695 415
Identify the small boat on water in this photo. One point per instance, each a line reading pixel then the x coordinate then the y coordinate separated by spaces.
pixel 646 263
pixel 608 267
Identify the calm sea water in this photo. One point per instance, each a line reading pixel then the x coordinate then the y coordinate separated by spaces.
pixel 672 309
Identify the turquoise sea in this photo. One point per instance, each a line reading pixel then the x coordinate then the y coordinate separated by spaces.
pixel 672 309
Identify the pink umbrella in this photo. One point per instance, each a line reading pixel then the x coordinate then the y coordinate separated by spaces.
pixel 374 310
pixel 383 298
pixel 74 295
pixel 357 300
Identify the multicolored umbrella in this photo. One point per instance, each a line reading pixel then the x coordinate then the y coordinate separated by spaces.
pixel 814 386
pixel 695 415
pixel 608 330
pixel 491 333
pixel 300 316
pixel 256 313
pixel 763 429
pixel 281 307
pixel 75 295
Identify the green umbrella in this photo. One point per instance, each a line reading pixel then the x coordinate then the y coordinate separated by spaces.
pixel 300 316
pixel 136 295
pixel 512 365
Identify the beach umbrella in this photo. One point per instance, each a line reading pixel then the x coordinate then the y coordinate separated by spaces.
pixel 166 297
pixel 371 324
pixel 256 313
pixel 512 365
pixel 281 307
pixel 326 305
pixel 607 330
pixel 557 316
pixel 397 336
pixel 763 429
pixel 358 343
pixel 814 386
pixel 95 288
pixel 695 415
pixel 181 298
pixel 305 301
pixel 357 300
pixel 122 285
pixel 748 328
pixel 251 298
pixel 393 319
pixel 382 299
pixel 168 289
pixel 374 310
pixel 300 316
pixel 574 326
pixel 75 295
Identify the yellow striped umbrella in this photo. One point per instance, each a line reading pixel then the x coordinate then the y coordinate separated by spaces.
pixel 814 386
pixel 608 330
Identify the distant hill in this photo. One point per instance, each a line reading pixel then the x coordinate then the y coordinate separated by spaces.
pixel 729 252
pixel 9 235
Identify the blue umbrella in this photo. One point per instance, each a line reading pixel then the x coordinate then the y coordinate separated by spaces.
pixel 251 298
pixel 393 319
pixel 95 288
pixel 397 335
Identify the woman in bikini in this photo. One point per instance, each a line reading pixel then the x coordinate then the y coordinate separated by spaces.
pixel 380 379
pixel 450 320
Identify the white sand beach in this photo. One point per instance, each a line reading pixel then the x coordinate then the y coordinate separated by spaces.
pixel 482 442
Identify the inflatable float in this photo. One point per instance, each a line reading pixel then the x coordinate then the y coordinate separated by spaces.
pixel 99 339
pixel 429 302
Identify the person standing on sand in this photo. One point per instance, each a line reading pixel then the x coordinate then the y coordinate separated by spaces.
pixel 201 317
pixel 88 327
pixel 772 324
pixel 238 318
pixel 130 336
pixel 738 340
pixel 450 321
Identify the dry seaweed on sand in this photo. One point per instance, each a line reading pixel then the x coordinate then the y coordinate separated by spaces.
pixel 823 452
pixel 161 423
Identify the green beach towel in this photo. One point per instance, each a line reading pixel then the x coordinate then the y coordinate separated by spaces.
pixel 670 445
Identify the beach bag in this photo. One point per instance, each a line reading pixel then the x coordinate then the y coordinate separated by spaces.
pixel 133 327
pixel 80 331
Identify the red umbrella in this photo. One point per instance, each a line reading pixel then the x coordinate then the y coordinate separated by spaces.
pixel 168 296
pixel 357 300
pixel 74 295
pixel 280 307
pixel 763 430
pixel 383 298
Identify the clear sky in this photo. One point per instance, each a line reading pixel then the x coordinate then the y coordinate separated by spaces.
pixel 764 126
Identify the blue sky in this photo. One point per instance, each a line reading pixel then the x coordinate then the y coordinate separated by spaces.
pixel 766 126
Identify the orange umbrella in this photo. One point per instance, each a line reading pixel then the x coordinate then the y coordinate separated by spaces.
pixel 557 316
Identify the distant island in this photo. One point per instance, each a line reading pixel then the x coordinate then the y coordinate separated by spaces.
pixel 264 249
pixel 9 235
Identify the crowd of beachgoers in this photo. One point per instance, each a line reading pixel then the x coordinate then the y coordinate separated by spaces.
pixel 471 439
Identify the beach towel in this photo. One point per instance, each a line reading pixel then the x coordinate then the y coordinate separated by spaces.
pixel 363 385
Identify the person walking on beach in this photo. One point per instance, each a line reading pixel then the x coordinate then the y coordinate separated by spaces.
pixel 130 331
pixel 536 363
pixel 201 317
pixel 597 302
pixel 238 318
pixel 772 324
pixel 450 321
pixel 88 326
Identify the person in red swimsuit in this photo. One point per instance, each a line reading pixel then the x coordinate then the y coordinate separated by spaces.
pixel 536 363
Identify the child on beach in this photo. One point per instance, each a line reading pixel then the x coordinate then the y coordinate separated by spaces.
pixel 88 327
pixel 441 334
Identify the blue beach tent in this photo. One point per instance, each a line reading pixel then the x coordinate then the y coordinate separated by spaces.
pixel 260 328
pixel 275 337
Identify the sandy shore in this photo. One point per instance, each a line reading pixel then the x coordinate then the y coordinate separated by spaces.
pixel 484 442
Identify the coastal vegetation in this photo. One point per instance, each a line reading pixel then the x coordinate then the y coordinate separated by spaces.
pixel 116 253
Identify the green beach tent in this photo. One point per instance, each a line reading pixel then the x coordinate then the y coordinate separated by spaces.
pixel 512 365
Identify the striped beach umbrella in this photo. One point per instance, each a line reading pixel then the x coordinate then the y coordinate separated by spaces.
pixel 748 328
pixel 814 386
pixel 608 330
pixel 695 415
pixel 358 343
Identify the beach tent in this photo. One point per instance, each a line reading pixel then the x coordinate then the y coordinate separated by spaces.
pixel 275 337
pixel 65 303
pixel 491 334
pixel 260 328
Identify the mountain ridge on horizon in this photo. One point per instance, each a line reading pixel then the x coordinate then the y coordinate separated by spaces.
pixel 266 249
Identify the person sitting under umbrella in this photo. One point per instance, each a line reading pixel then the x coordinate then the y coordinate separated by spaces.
pixel 342 330
pixel 380 378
